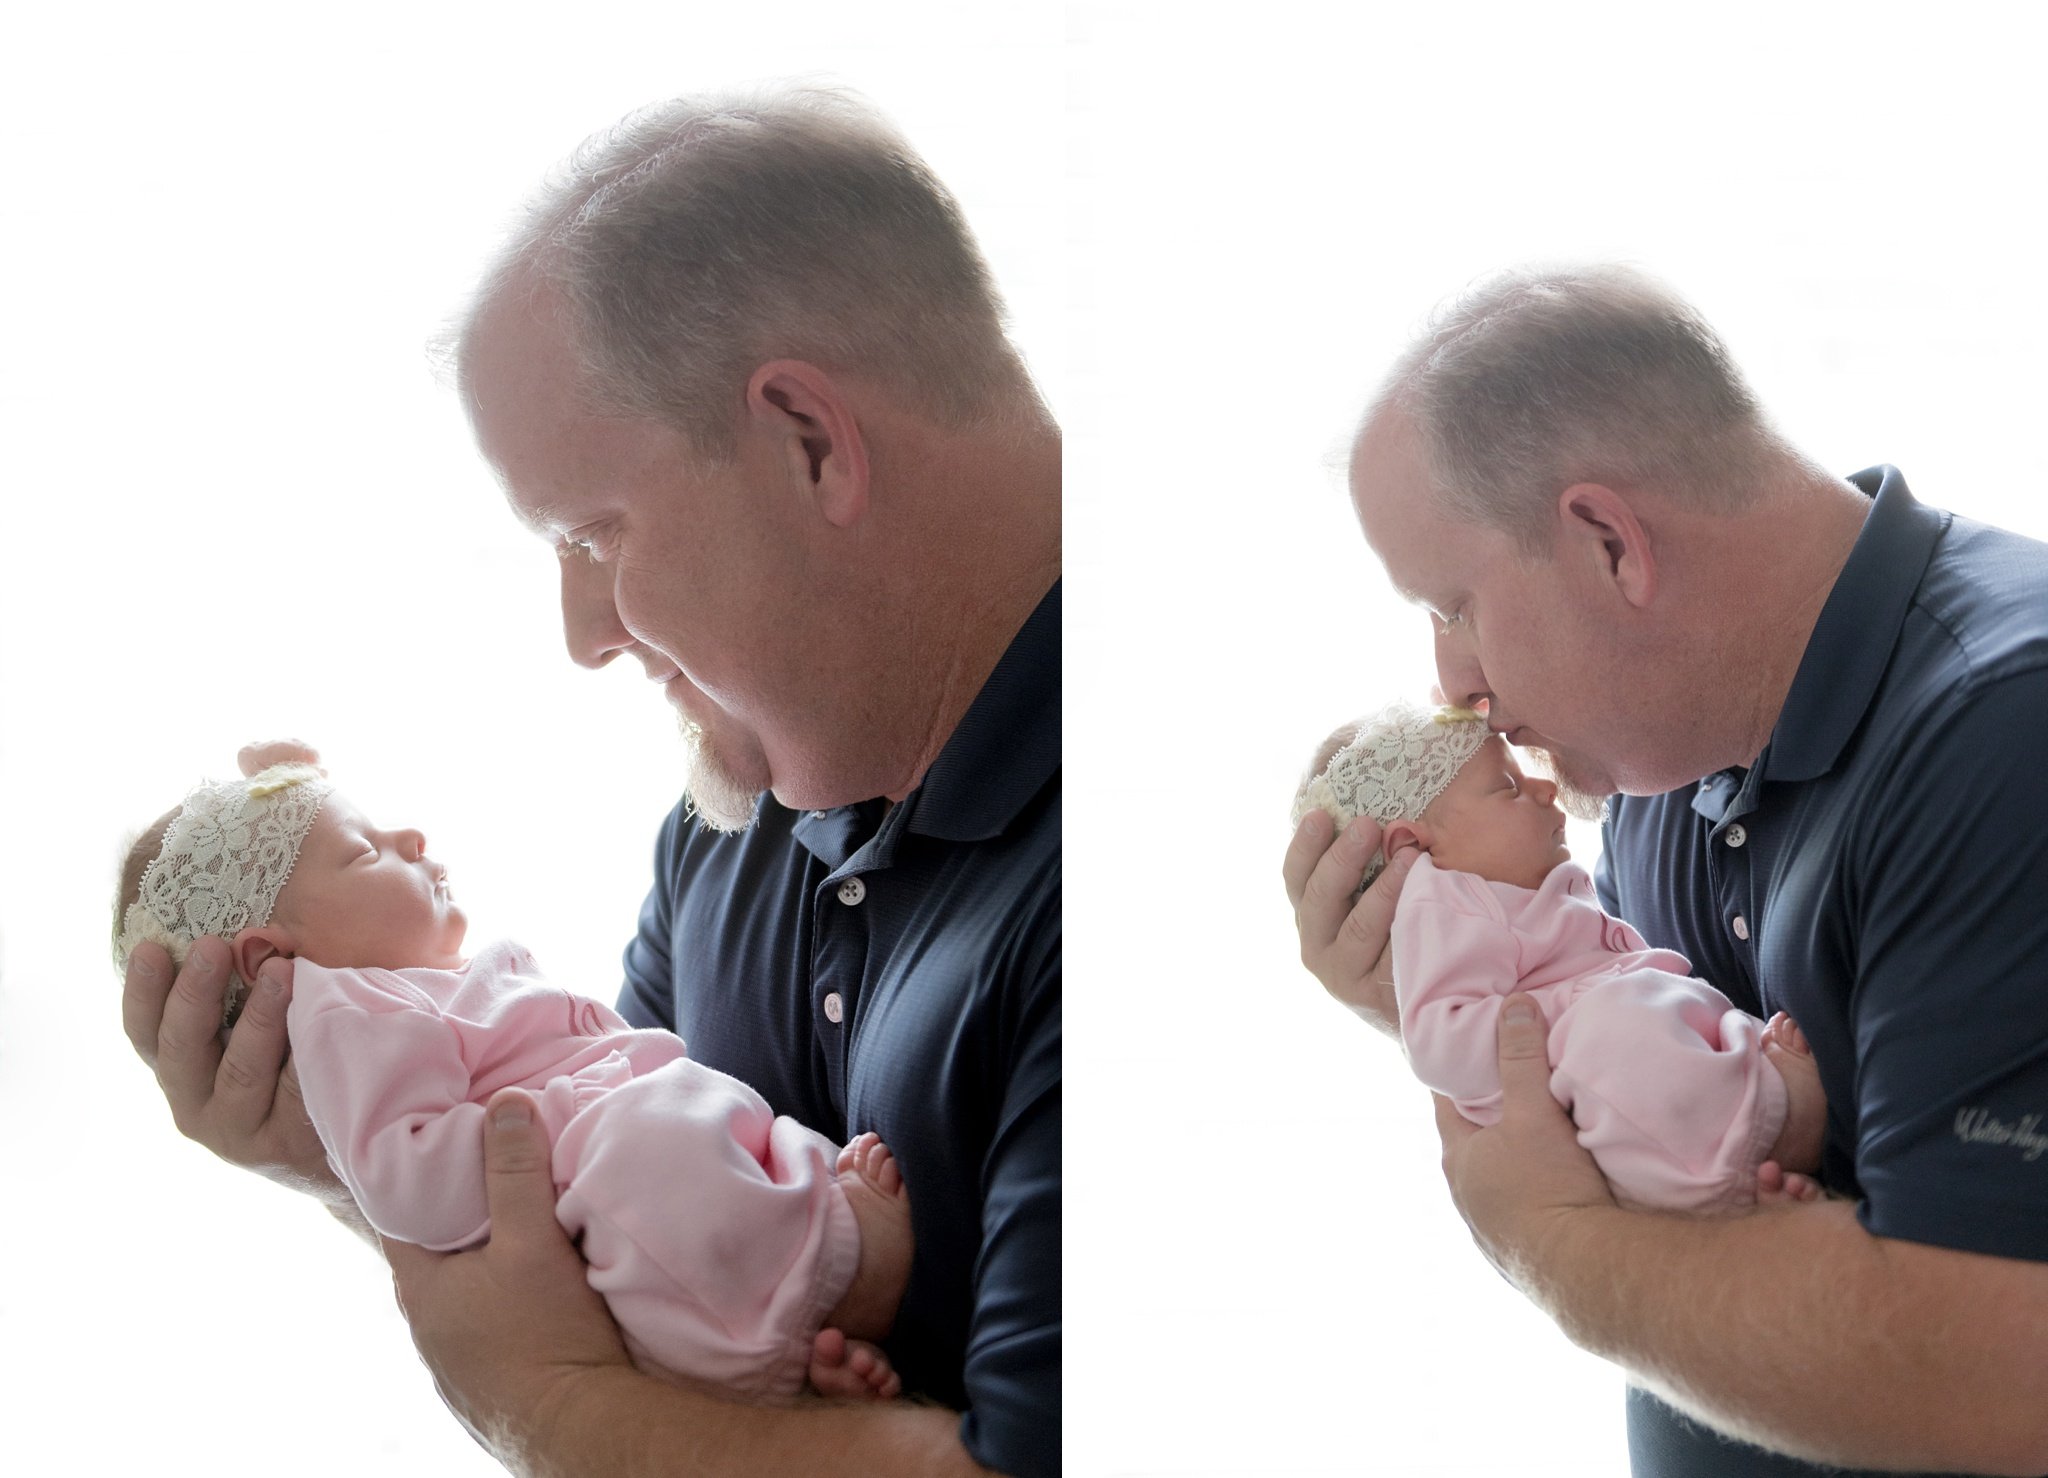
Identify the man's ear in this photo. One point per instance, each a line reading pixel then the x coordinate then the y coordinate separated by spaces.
pixel 1399 834
pixel 1601 526
pixel 807 415
pixel 252 947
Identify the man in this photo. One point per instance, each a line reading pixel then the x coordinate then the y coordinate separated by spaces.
pixel 1818 702
pixel 745 370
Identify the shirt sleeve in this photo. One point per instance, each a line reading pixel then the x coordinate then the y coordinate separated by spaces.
pixel 1013 1362
pixel 648 996
pixel 1950 1012
pixel 386 1085
pixel 1454 964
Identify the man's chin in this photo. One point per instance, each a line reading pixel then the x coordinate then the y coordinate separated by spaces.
pixel 720 799
pixel 1583 798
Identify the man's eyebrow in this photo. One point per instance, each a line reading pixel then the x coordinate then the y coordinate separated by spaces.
pixel 540 520
pixel 1411 597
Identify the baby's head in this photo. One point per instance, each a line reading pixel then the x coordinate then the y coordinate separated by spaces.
pixel 1441 781
pixel 281 864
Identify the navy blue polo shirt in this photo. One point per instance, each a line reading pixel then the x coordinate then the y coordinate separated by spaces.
pixel 1880 872
pixel 898 970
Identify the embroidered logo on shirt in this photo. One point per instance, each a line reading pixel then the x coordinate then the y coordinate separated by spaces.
pixel 1977 1126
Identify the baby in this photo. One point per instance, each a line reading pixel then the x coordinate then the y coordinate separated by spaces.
pixel 1680 1098
pixel 732 1246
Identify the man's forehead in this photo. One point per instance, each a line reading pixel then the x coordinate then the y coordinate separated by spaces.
pixel 1423 550
pixel 519 377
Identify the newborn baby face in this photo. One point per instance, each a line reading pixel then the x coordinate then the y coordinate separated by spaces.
pixel 1496 821
pixel 360 895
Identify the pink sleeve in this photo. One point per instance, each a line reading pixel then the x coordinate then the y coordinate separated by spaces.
pixel 1454 963
pixel 387 1087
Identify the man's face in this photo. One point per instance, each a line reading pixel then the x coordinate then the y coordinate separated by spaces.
pixel 685 566
pixel 362 895
pixel 1509 636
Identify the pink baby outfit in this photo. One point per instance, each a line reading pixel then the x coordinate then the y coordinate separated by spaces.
pixel 716 1231
pixel 1666 1080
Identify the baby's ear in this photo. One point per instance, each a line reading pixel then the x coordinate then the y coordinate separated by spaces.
pixel 253 946
pixel 1401 834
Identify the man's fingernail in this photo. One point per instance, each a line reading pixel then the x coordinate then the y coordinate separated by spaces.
pixel 511 1112
pixel 1520 1010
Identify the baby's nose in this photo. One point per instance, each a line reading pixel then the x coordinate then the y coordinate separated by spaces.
pixel 412 845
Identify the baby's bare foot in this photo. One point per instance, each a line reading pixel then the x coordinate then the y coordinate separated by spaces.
pixel 874 1188
pixel 1777 1186
pixel 1806 1109
pixel 851 1369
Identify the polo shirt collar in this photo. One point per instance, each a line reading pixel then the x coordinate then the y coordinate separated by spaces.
pixel 1006 747
pixel 1852 643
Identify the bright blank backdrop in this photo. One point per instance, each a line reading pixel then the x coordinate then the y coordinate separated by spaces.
pixel 1270 1273
pixel 229 235
pixel 238 504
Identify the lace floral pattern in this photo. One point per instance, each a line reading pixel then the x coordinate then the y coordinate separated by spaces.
pixel 1397 761
pixel 225 857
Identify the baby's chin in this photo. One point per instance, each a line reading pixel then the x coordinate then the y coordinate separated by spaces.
pixel 458 930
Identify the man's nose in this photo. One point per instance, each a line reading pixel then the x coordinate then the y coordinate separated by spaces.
pixel 1457 671
pixel 590 620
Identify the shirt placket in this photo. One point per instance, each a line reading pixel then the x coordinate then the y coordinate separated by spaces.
pixel 1729 803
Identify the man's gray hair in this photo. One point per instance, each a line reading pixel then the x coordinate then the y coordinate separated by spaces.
pixel 703 237
pixel 1538 378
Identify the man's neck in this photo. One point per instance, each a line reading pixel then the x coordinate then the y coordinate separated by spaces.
pixel 1803 545
pixel 990 550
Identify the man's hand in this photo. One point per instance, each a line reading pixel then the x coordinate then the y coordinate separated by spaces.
pixel 242 1101
pixel 255 758
pixel 1346 938
pixel 508 1329
pixel 1516 1181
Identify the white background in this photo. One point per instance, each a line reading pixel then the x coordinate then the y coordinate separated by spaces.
pixel 238 504
pixel 1271 1280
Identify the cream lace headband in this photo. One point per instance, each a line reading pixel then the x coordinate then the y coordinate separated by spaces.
pixel 225 856
pixel 1398 762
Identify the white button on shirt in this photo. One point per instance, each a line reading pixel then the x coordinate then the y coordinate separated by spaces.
pixel 1735 836
pixel 1741 927
pixel 852 891
pixel 835 1009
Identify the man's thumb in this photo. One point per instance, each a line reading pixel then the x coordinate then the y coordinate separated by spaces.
pixel 1524 1048
pixel 513 1143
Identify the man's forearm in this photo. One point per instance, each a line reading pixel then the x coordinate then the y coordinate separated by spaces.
pixel 343 1209
pixel 617 1421
pixel 1798 1330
